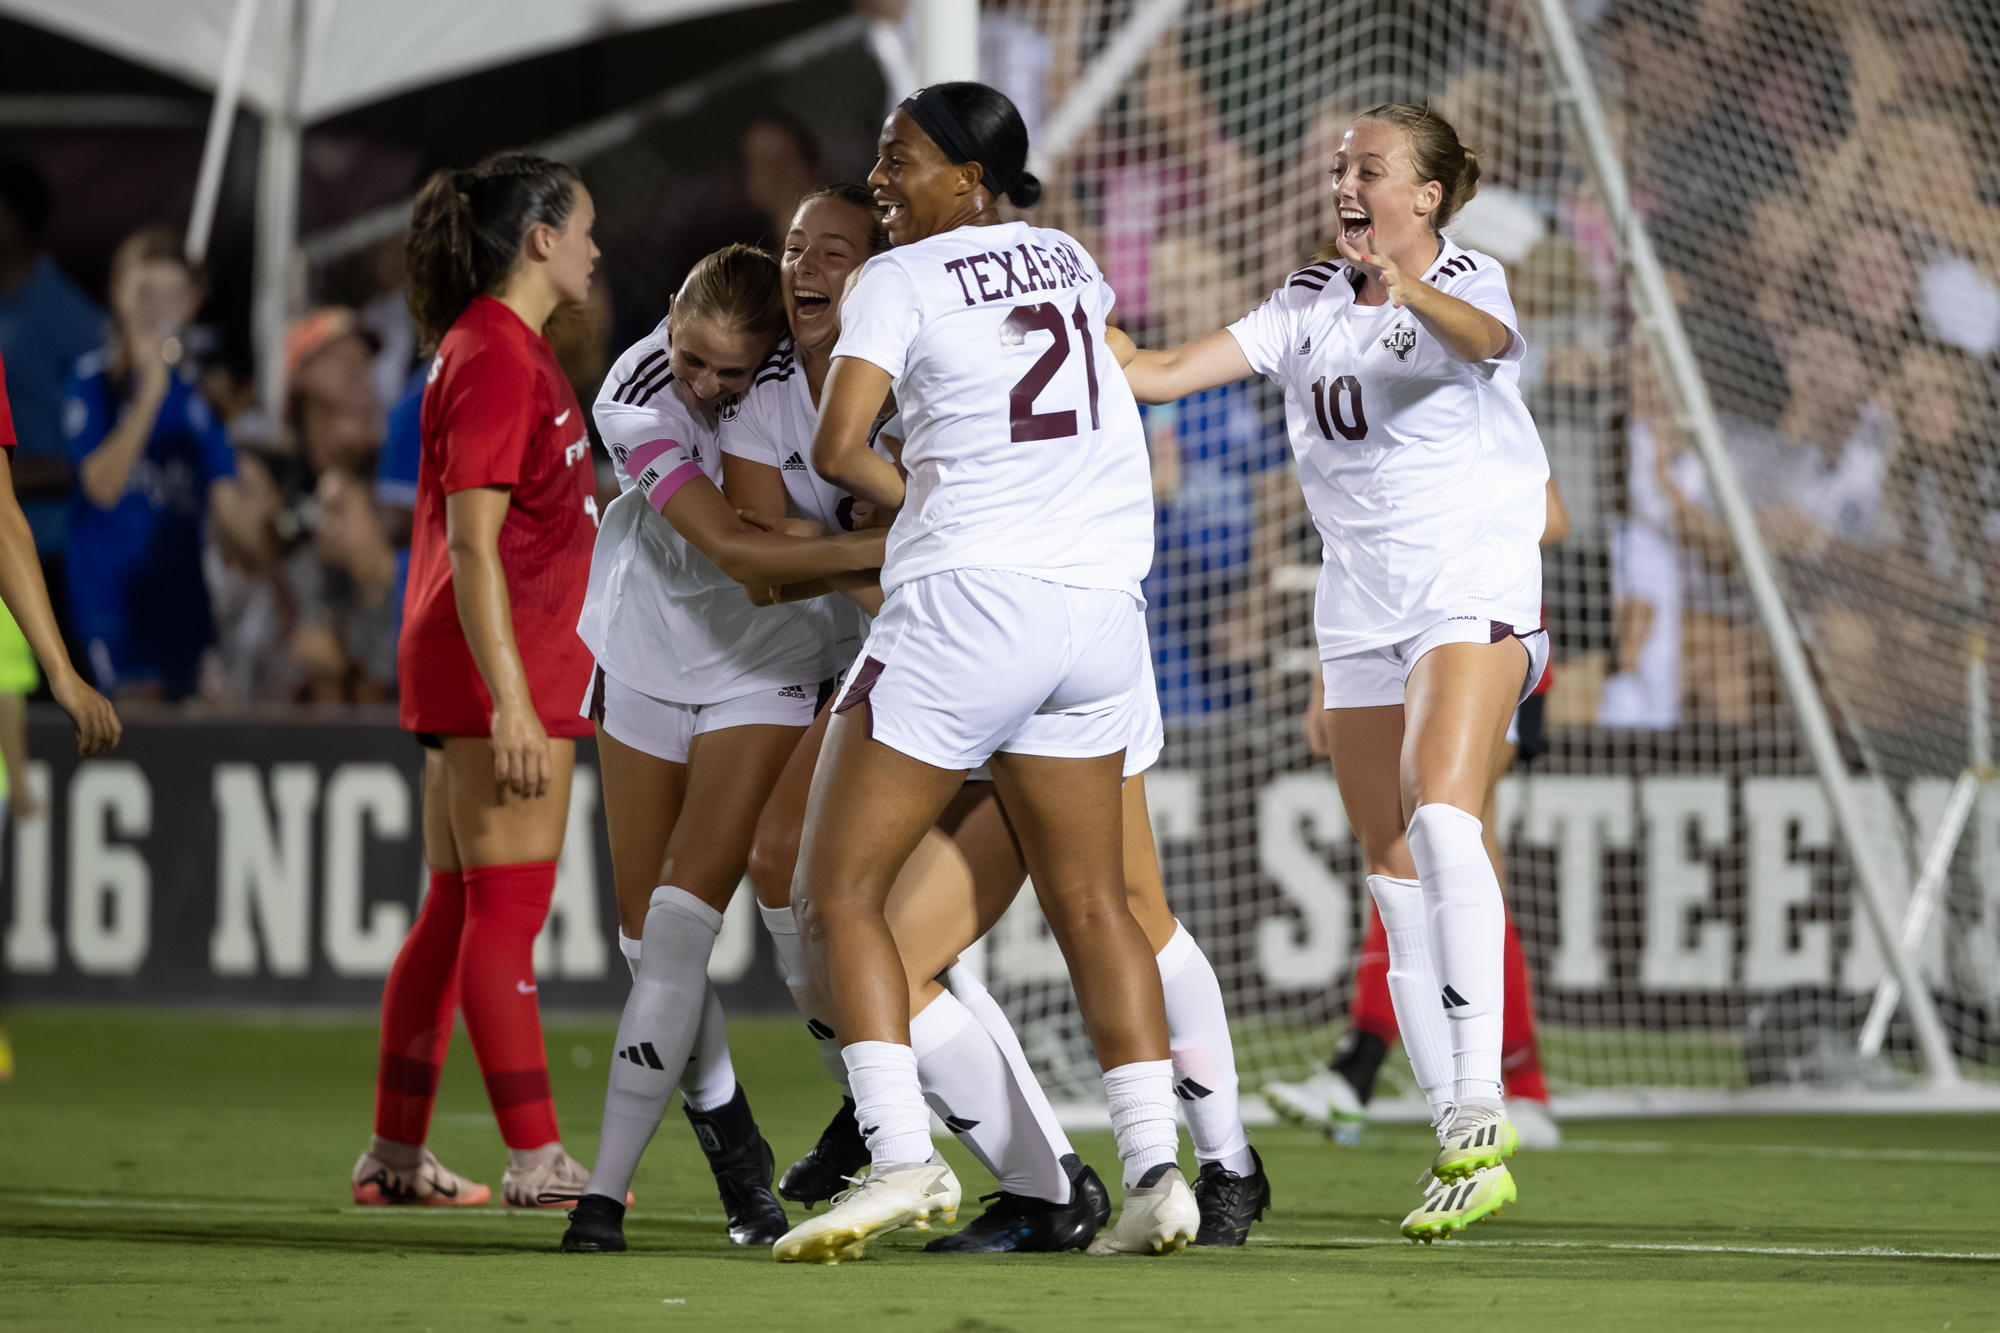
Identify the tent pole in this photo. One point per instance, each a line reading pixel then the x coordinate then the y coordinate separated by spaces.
pixel 278 286
pixel 947 40
pixel 221 120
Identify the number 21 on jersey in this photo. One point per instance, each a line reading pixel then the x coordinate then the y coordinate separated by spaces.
pixel 1024 421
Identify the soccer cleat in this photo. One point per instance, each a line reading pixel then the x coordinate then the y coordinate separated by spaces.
pixel 556 1181
pixel 1159 1215
pixel 1450 1206
pixel 1534 1123
pixel 741 1161
pixel 834 1161
pixel 596 1226
pixel 377 1184
pixel 1480 1135
pixel 1326 1102
pixel 1018 1224
pixel 880 1202
pixel 1229 1203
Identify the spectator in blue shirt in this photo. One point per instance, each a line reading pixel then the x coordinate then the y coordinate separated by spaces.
pixel 46 323
pixel 151 463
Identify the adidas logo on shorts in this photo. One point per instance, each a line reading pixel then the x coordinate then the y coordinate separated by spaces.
pixel 796 463
pixel 793 691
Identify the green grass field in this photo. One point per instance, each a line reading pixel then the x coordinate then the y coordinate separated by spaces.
pixel 189 1170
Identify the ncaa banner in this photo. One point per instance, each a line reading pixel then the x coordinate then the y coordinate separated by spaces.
pixel 279 863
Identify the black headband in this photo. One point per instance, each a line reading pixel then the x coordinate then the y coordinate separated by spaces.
pixel 928 107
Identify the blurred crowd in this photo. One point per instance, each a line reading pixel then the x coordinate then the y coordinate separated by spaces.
pixel 200 548
pixel 1822 180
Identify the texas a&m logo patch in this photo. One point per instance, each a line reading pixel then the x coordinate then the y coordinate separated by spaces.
pixel 1401 340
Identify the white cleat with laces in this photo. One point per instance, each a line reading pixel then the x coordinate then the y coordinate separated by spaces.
pixel 880 1202
pixel 1159 1215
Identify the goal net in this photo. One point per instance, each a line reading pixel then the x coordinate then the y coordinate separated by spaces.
pixel 1820 182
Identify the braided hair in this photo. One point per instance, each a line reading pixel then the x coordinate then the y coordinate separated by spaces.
pixel 466 230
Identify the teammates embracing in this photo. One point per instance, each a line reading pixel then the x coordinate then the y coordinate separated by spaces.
pixel 866 622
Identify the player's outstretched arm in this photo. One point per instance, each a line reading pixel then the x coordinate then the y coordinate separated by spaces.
pixel 757 558
pixel 1163 377
pixel 21 587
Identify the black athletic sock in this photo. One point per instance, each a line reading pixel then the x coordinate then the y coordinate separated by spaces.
pixel 1358 1058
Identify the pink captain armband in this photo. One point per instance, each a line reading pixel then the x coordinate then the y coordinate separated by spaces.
pixel 654 471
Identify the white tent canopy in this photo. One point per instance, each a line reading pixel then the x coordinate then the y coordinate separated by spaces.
pixel 352 51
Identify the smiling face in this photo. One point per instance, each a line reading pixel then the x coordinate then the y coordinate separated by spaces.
pixel 921 190
pixel 827 242
pixel 154 297
pixel 1375 187
pixel 571 252
pixel 714 362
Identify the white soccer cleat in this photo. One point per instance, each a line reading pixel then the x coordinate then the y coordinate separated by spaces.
pixel 1480 1135
pixel 1450 1206
pixel 1534 1123
pixel 880 1202
pixel 1160 1215
pixel 1326 1102
pixel 555 1181
pixel 377 1184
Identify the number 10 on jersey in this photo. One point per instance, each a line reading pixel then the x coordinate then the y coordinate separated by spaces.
pixel 1024 421
pixel 1330 408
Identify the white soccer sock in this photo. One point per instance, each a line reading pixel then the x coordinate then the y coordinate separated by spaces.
pixel 1413 987
pixel 889 1102
pixel 709 1080
pixel 1468 935
pixel 630 948
pixel 965 984
pixel 784 930
pixel 966 1080
pixel 1142 1115
pixel 1204 1056
pixel 656 1033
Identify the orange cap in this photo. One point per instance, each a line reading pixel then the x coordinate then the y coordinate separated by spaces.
pixel 315 331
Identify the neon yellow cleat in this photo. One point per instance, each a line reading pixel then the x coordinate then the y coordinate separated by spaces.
pixel 1452 1206
pixel 1480 1136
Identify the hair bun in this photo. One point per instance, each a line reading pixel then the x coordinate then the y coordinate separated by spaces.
pixel 1026 191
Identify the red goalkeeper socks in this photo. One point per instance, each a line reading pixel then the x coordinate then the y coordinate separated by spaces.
pixel 417 1004
pixel 1520 1057
pixel 505 907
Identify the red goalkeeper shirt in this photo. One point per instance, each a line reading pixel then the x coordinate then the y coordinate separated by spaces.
pixel 499 412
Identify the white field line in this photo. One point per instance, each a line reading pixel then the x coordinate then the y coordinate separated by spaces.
pixel 1864 1252
pixel 1643 1147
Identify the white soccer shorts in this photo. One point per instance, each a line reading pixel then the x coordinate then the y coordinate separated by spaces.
pixel 966 662
pixel 665 730
pixel 1377 678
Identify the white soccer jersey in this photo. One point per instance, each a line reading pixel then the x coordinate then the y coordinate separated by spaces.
pixel 659 616
pixel 773 423
pixel 1023 444
pixel 1423 471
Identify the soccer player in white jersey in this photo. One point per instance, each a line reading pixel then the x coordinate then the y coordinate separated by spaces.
pixel 1012 632
pixel 1399 356
pixel 969 1060
pixel 699 698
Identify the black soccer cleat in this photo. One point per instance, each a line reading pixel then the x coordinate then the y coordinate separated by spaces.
pixel 742 1163
pixel 596 1226
pixel 1229 1203
pixel 822 1173
pixel 1017 1224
